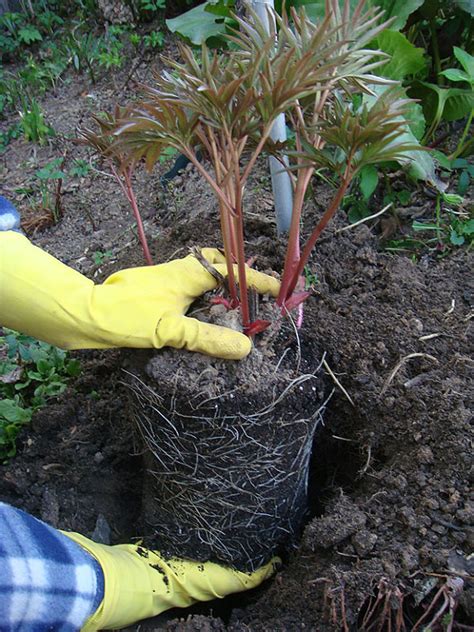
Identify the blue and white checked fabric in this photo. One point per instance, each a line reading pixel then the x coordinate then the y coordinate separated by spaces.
pixel 47 581
pixel 9 216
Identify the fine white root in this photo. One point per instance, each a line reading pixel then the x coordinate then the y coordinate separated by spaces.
pixel 336 382
pixel 401 363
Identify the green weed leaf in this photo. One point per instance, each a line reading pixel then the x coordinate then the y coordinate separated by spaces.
pixel 449 104
pixel 400 10
pixel 406 59
pixel 453 74
pixel 369 178
pixel 29 34
pixel 11 411
pixel 456 239
pixel 466 61
pixel 466 5
pixel 197 25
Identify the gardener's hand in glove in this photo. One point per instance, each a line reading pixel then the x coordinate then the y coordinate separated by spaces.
pixel 140 584
pixel 139 307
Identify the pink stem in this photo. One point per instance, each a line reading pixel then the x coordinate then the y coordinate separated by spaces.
pixel 130 195
pixel 229 252
pixel 239 234
pixel 314 237
pixel 293 249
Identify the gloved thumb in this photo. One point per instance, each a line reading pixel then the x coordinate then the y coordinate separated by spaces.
pixel 189 333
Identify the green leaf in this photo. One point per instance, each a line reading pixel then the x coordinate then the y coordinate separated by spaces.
pixel 455 239
pixel 420 163
pixel 51 171
pixel 449 104
pixel 406 59
pixel 466 60
pixel 13 412
pixel 442 159
pixel 469 227
pixel 315 10
pixel 416 120
pixel 398 9
pixel 453 74
pixel 452 198
pixel 463 183
pixel 404 197
pixel 419 226
pixel 29 34
pixel 197 25
pixel 369 178
pixel 466 5
pixel 73 367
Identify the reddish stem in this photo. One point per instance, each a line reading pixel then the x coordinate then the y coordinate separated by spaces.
pixel 239 224
pixel 130 195
pixel 229 252
pixel 293 249
pixel 315 235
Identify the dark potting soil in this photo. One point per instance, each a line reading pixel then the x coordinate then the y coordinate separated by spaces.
pixel 390 480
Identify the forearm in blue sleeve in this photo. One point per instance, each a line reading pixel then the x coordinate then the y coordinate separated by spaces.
pixel 47 581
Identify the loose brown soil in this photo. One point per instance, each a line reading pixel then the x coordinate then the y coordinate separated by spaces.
pixel 390 506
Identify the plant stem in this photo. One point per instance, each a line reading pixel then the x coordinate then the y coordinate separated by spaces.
pixel 438 218
pixel 315 235
pixel 435 45
pixel 226 228
pixel 215 187
pixel 130 195
pixel 293 248
pixel 461 147
pixel 239 221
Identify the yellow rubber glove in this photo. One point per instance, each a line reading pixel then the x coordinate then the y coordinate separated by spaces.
pixel 138 307
pixel 139 584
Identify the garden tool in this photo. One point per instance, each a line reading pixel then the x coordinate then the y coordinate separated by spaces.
pixel 139 307
pixel 140 584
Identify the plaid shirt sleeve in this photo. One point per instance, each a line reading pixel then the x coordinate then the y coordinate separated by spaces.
pixel 47 581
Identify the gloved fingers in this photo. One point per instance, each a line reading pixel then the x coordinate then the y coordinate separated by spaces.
pixel 261 574
pixel 213 255
pixel 226 581
pixel 208 580
pixel 263 283
pixel 189 333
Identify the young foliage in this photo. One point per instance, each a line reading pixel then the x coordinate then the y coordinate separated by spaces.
pixel 226 104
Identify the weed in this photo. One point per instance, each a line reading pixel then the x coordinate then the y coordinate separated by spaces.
pixel 82 51
pixel 100 257
pixel 50 180
pixel 80 168
pixel 31 373
pixel 310 278
pixel 11 132
pixel 451 227
pixel 152 5
pixel 32 122
pixel 154 40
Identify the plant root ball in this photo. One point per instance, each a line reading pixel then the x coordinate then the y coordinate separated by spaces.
pixel 227 448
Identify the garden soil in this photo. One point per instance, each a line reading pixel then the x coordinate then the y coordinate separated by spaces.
pixel 390 513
